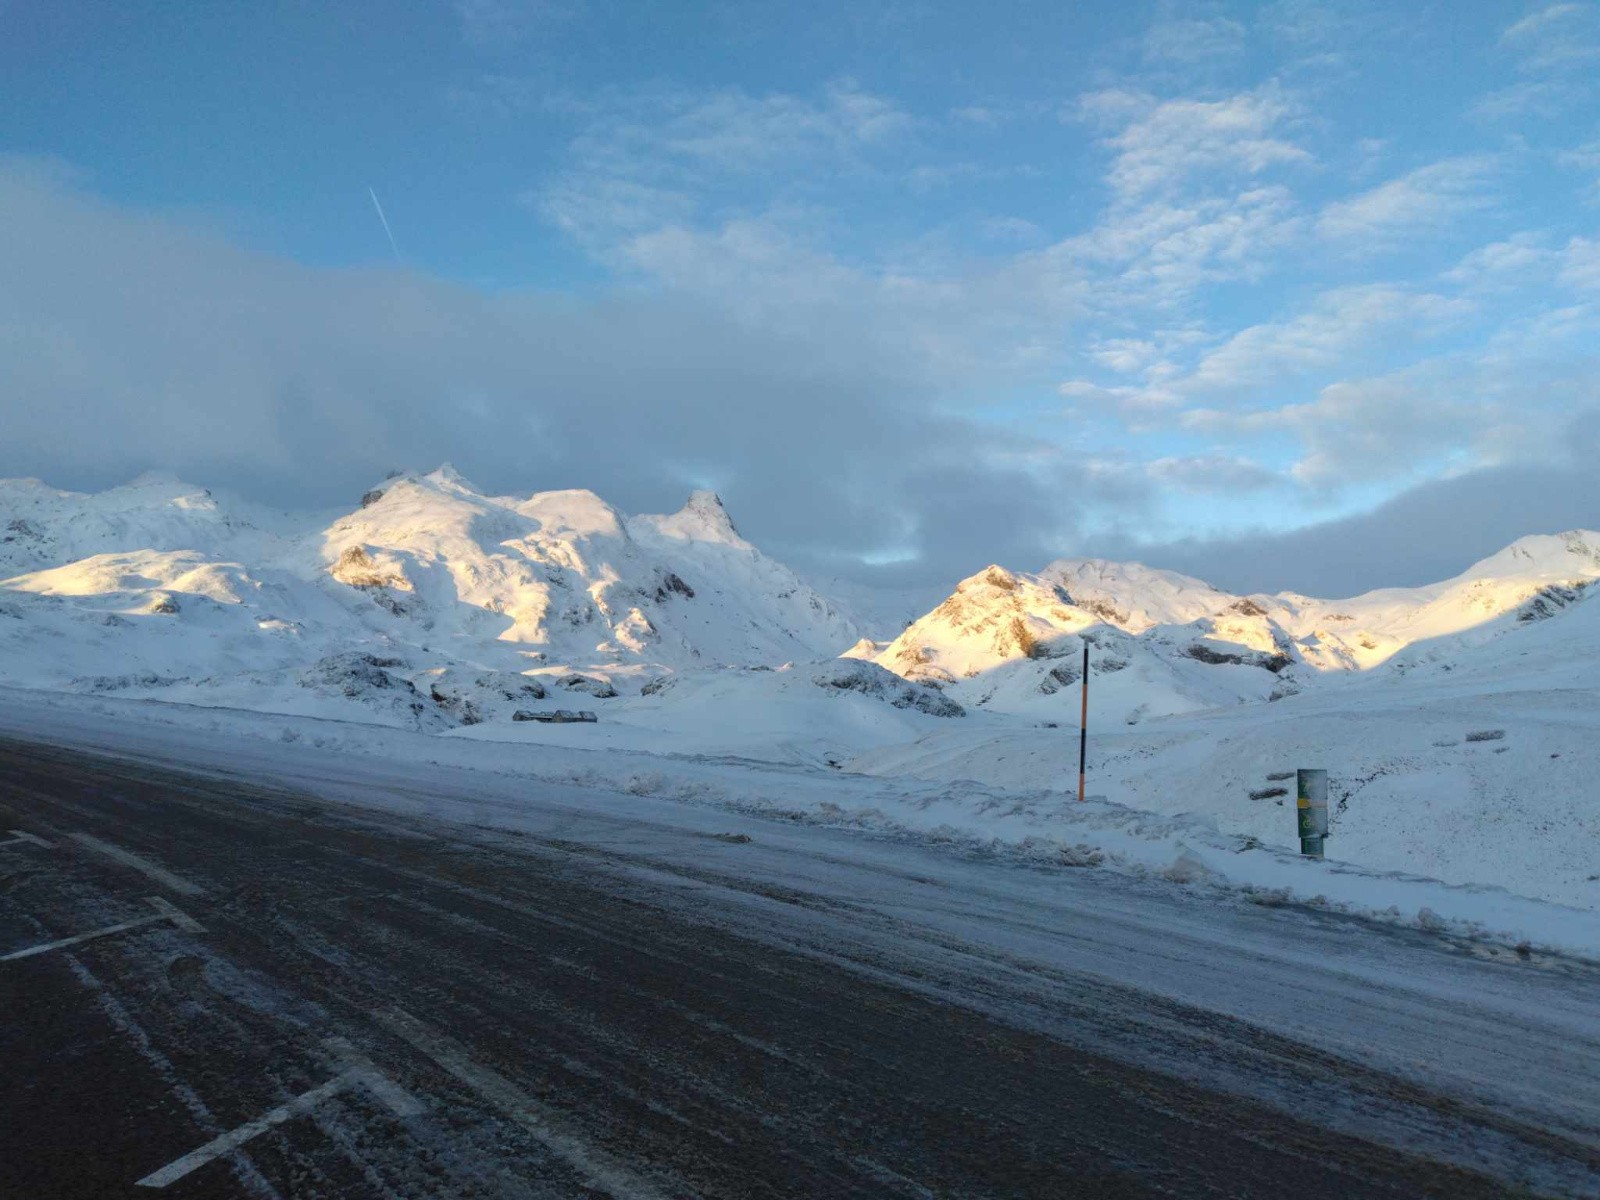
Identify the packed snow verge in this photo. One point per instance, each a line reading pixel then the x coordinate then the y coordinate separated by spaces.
pixel 1037 828
pixel 807 714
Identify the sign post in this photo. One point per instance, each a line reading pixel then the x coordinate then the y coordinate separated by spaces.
pixel 1311 809
pixel 1083 726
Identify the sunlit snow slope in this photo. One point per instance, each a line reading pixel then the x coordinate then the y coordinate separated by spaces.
pixel 429 586
pixel 1166 643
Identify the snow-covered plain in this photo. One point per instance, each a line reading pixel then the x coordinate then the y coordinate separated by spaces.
pixel 1458 721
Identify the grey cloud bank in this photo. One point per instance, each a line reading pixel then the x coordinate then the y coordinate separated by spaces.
pixel 130 341
pixel 1431 532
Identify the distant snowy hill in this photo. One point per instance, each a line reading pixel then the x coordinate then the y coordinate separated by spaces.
pixel 434 604
pixel 1009 642
pixel 41 526
pixel 1167 643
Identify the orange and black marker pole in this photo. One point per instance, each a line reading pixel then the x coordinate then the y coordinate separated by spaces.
pixel 1083 725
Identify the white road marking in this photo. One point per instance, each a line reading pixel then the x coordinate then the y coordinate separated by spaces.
pixel 601 1170
pixel 181 919
pixel 359 1073
pixel 164 912
pixel 235 1138
pixel 401 1102
pixel 19 836
pixel 252 1180
pixel 143 865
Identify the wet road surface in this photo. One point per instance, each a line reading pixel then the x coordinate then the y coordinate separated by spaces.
pixel 278 995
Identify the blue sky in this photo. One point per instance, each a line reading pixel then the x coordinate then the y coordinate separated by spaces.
pixel 913 284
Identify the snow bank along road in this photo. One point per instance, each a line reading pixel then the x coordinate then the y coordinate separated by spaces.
pixel 215 987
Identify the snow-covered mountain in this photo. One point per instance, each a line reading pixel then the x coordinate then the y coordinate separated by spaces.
pixel 41 526
pixel 1168 643
pixel 158 587
pixel 434 604
pixel 1009 642
pixel 565 578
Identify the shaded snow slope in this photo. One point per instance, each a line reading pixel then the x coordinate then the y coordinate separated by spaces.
pixel 1531 578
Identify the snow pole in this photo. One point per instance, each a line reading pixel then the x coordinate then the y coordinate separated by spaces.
pixel 1083 726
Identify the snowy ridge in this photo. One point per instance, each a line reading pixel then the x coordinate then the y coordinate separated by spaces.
pixel 159 588
pixel 1135 597
pixel 998 640
pixel 41 526
pixel 1012 643
pixel 571 575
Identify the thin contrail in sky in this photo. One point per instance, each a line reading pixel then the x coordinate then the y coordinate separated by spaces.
pixel 385 221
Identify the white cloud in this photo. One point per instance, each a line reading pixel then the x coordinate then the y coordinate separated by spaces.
pixel 1557 48
pixel 1585 158
pixel 1085 395
pixel 1194 40
pixel 1580 266
pixel 1419 535
pixel 1557 37
pixel 1341 323
pixel 1527 98
pixel 726 197
pixel 1521 260
pixel 1538 23
pixel 1420 202
pixel 1359 430
pixel 652 160
pixel 1220 474
pixel 1364 430
pixel 1330 30
pixel 735 133
pixel 1157 255
pixel 1124 355
pixel 598 210
pixel 1010 229
pixel 1188 207
pixel 1508 399
pixel 1162 145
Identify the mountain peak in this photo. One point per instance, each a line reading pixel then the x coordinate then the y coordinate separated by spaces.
pixel 703 518
pixel 994 575
pixel 161 481
pixel 1544 552
pixel 446 475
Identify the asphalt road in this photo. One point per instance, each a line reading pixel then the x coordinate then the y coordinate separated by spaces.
pixel 295 997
